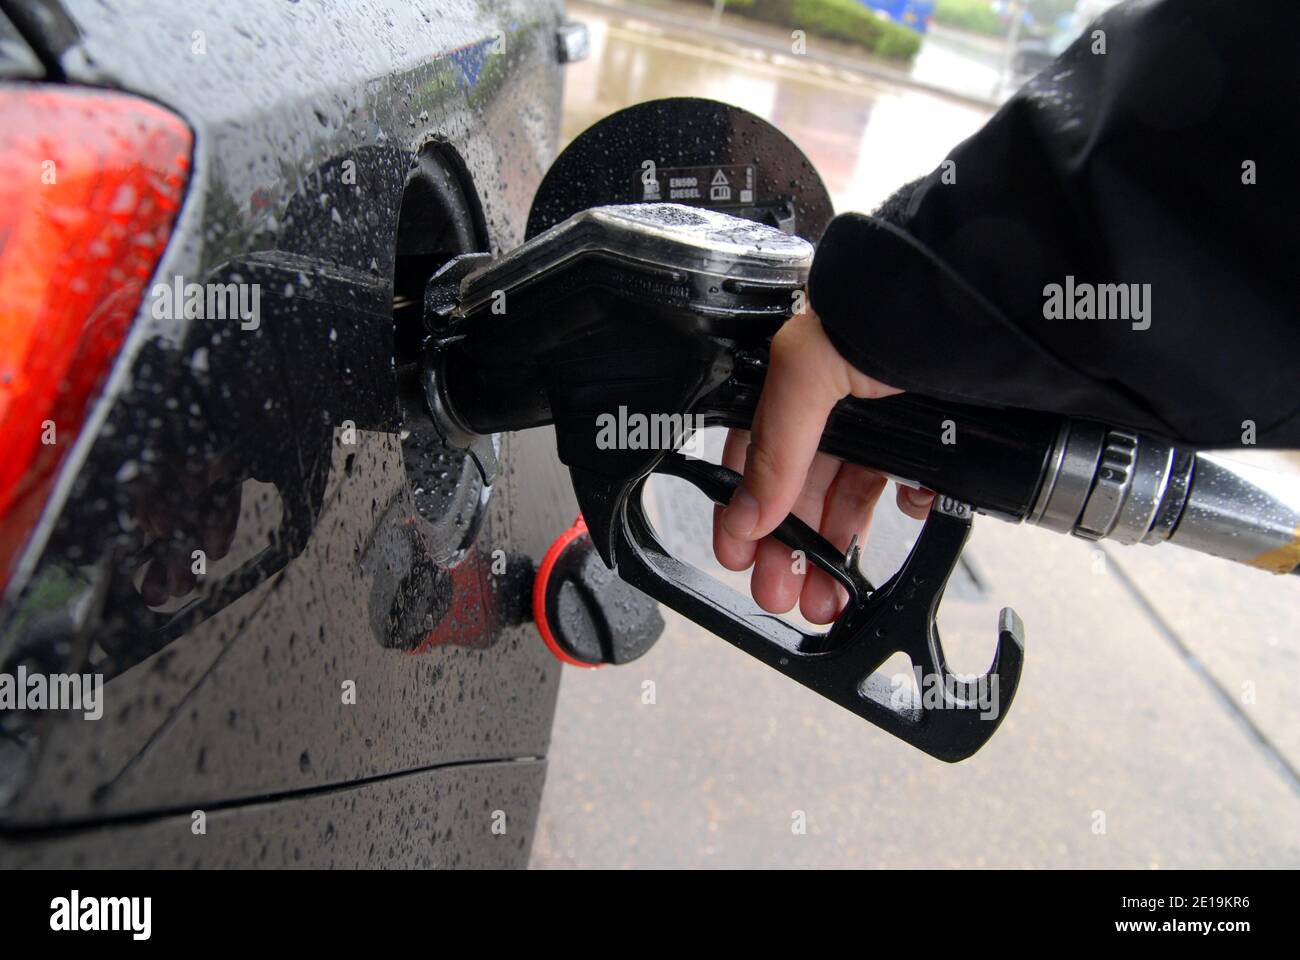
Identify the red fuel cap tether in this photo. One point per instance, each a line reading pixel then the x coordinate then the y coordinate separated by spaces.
pixel 586 615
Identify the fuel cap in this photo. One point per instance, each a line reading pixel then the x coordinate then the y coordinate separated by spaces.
pixel 691 151
pixel 586 615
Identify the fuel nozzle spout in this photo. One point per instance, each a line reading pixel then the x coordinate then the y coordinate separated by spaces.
pixel 1114 484
pixel 1242 513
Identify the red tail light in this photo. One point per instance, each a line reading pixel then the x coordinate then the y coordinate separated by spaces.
pixel 90 184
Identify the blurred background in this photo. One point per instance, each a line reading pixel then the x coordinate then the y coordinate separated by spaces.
pixel 1157 722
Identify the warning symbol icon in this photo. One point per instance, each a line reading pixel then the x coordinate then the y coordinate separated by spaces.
pixel 719 188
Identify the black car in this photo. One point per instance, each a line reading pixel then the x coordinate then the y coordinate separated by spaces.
pixel 281 623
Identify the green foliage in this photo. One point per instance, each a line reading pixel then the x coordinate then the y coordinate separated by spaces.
pixel 850 21
pixel 845 20
pixel 977 16
pixel 898 43
pixel 773 11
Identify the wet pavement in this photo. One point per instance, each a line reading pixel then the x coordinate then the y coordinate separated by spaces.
pixel 1156 723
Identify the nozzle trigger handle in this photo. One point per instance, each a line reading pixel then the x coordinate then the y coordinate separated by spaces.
pixel 946 715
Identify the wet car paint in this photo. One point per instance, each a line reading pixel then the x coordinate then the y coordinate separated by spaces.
pixel 334 572
pixel 442 817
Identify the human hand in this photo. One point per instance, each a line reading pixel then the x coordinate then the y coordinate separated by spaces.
pixel 784 473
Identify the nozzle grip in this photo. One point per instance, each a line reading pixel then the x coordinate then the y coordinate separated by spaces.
pixel 992 458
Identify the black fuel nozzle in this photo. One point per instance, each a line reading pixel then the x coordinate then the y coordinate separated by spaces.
pixel 623 311
pixel 661 315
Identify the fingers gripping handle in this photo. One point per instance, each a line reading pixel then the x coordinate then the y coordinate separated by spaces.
pixel 948 716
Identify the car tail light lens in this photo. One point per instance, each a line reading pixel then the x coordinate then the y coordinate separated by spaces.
pixel 90 184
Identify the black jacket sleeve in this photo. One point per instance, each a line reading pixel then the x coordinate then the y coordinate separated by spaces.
pixel 1170 164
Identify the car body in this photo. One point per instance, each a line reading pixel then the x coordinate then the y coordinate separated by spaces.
pixel 348 678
